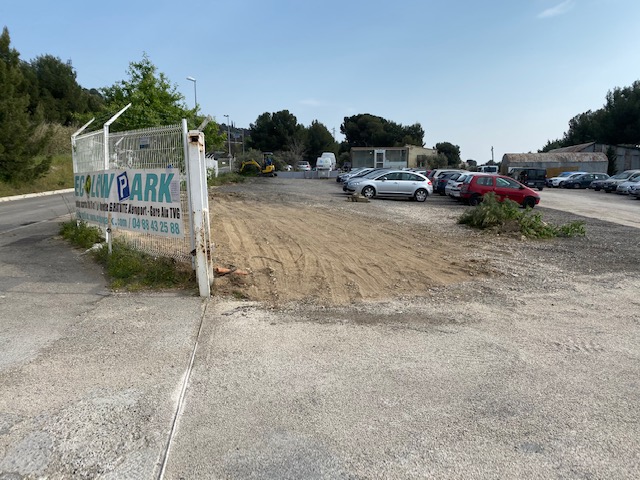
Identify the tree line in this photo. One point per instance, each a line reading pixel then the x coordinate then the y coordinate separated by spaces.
pixel 281 132
pixel 616 123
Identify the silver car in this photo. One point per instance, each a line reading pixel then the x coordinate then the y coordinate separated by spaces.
pixel 634 190
pixel 623 188
pixel 392 184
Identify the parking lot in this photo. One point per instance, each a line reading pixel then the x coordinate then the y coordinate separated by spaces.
pixel 429 349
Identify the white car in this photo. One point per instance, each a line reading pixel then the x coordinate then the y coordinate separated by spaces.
pixel 559 180
pixel 452 188
pixel 303 166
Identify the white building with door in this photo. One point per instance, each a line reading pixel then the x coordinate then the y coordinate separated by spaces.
pixel 409 156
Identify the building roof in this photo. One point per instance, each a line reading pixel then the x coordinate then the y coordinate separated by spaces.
pixel 556 157
pixel 573 148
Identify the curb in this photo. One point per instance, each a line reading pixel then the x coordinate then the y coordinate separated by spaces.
pixel 33 195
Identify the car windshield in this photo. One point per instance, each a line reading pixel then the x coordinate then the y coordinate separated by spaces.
pixel 374 174
pixel 635 177
pixel 364 172
pixel 565 174
pixel 621 176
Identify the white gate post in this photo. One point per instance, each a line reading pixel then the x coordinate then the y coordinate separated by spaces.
pixel 106 166
pixel 197 186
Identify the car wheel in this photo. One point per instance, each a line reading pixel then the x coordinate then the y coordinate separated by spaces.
pixel 421 195
pixel 577 185
pixel 529 202
pixel 368 192
pixel 597 189
pixel 475 200
pixel 540 188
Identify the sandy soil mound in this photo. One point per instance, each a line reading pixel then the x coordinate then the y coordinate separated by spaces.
pixel 295 250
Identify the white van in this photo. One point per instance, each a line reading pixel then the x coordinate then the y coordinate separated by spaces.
pixel 323 163
pixel 331 156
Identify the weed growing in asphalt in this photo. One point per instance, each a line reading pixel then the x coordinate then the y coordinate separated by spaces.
pixel 81 234
pixel 508 217
pixel 128 268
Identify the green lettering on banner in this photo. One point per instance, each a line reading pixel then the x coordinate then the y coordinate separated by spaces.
pixel 94 186
pixel 136 188
pixel 150 187
pixel 163 191
pixel 106 182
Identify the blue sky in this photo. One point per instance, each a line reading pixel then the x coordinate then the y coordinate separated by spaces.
pixel 507 74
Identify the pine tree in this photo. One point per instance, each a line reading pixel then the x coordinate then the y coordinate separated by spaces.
pixel 18 149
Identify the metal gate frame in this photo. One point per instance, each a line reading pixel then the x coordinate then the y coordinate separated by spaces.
pixel 164 147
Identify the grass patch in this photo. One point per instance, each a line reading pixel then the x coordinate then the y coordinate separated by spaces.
pixel 508 217
pixel 127 268
pixel 60 176
pixel 81 234
pixel 225 178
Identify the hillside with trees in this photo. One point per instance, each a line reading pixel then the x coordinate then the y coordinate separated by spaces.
pixel 42 104
pixel 616 123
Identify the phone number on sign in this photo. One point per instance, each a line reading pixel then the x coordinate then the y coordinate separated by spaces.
pixel 155 226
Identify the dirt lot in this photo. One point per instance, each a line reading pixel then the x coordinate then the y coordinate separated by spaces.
pixel 302 240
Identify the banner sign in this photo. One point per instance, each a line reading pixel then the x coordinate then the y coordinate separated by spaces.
pixel 146 201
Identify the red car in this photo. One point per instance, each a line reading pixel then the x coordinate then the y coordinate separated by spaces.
pixel 475 186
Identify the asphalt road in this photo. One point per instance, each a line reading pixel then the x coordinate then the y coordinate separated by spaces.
pixel 90 380
pixel 29 210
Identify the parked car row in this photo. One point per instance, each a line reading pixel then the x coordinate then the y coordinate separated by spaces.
pixel 624 183
pixel 469 187
pixel 583 180
pixel 621 181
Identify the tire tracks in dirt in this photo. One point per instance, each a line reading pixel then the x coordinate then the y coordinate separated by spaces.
pixel 328 256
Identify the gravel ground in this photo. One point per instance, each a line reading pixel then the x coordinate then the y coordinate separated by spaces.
pixel 527 371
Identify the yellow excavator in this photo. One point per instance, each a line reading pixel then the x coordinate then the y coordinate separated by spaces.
pixel 268 169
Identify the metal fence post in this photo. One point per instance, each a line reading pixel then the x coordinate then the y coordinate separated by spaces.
pixel 199 211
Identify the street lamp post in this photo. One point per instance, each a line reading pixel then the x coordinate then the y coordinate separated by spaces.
pixel 195 92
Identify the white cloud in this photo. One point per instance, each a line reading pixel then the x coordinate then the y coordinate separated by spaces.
pixel 559 9
pixel 311 102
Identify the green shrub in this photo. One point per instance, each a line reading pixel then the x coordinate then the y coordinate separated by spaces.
pixel 134 270
pixel 508 217
pixel 225 178
pixel 81 234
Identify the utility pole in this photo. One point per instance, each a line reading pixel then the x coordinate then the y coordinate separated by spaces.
pixel 492 155
pixel 229 139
